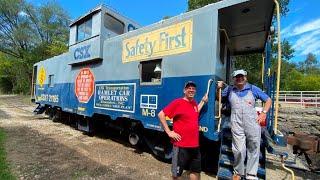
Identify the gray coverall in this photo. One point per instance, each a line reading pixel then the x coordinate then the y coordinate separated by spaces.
pixel 246 134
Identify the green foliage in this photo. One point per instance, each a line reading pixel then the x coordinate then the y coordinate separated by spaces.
pixel 310 66
pixel 284 7
pixel 287 51
pixel 195 4
pixel 166 17
pixel 305 83
pixel 28 34
pixel 6 74
pixel 252 63
pixel 14 75
pixel 4 167
pixel 286 65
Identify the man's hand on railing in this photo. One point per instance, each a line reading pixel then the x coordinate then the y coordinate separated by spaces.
pixel 220 84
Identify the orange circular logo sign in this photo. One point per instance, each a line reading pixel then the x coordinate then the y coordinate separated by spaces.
pixel 84 85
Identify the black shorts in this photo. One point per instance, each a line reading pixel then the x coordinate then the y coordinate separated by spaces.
pixel 185 159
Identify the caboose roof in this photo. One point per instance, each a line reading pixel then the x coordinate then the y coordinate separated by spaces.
pixel 247 24
pixel 96 10
pixel 90 13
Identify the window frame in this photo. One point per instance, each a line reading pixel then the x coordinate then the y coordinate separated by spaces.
pixel 51 80
pixel 84 22
pixel 117 20
pixel 147 83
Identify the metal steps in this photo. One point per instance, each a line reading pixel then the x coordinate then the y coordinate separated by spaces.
pixel 226 159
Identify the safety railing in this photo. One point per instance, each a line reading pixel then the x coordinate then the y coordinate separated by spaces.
pixel 305 99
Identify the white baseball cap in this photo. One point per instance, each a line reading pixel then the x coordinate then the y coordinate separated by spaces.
pixel 240 71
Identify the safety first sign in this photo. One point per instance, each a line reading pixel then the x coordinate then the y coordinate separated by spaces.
pixel 166 41
pixel 84 85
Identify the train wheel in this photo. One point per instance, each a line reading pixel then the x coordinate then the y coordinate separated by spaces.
pixel 134 138
pixel 50 113
pixel 159 144
pixel 56 115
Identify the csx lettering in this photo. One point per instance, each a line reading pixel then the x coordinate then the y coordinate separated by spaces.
pixel 82 52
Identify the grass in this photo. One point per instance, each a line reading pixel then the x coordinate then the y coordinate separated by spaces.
pixel 4 166
pixel 78 174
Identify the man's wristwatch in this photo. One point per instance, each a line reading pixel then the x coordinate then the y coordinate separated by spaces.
pixel 264 111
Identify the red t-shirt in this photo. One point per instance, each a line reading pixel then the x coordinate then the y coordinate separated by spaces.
pixel 185 121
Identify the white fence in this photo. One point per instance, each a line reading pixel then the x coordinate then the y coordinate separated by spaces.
pixel 301 98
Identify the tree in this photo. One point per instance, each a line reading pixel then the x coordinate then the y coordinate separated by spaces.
pixel 252 63
pixel 304 82
pixel 6 75
pixel 166 17
pixel 195 4
pixel 310 65
pixel 29 34
pixel 284 7
pixel 24 27
pixel 286 65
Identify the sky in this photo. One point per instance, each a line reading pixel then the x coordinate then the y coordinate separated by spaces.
pixel 301 26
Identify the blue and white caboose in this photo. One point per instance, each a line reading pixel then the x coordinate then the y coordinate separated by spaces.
pixel 123 74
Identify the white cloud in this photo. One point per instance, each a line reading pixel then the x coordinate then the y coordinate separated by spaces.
pixel 287 32
pixel 22 13
pixel 312 47
pixel 317 52
pixel 295 29
pixel 304 37
pixel 307 27
pixel 308 43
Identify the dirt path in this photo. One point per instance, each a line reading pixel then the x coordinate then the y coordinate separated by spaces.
pixel 41 149
pixel 38 148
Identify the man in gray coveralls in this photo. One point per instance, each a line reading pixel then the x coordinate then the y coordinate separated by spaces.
pixel 245 128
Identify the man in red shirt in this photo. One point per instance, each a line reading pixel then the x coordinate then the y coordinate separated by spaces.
pixel 185 134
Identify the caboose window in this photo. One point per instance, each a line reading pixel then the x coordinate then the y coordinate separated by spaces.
pixel 113 24
pixel 151 72
pixel 51 80
pixel 84 30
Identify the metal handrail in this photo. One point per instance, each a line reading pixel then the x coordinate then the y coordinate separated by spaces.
pixel 219 112
pixel 208 86
pixel 279 69
pixel 219 104
pixel 287 169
